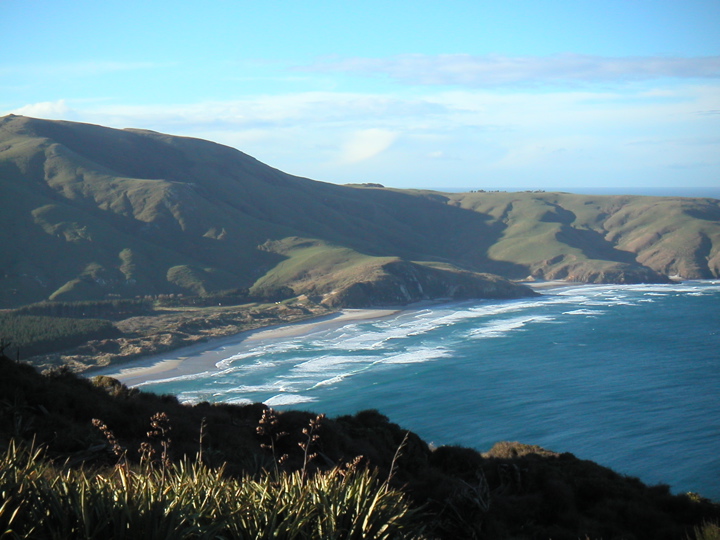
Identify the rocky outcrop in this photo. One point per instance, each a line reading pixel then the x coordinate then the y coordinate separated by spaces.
pixel 402 282
pixel 564 268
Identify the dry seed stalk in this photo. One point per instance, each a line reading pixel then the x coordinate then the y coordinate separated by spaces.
pixel 268 427
pixel 118 450
pixel 311 438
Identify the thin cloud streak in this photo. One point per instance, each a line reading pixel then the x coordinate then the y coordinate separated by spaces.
pixel 494 70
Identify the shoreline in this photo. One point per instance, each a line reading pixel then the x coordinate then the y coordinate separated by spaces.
pixel 203 357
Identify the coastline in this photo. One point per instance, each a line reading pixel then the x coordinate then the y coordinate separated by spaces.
pixel 203 357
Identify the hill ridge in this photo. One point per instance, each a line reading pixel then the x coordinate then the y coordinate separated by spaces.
pixel 100 213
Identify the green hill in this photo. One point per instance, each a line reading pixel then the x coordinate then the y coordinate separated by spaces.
pixel 95 213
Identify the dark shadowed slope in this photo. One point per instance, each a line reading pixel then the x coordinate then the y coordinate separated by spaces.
pixel 513 491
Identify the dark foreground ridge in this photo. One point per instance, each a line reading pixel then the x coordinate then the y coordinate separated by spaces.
pixel 513 491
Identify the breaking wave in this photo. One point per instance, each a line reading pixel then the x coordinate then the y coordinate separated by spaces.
pixel 570 370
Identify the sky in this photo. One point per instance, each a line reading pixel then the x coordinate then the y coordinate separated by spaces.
pixel 582 95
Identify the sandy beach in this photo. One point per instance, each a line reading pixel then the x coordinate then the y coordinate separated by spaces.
pixel 203 357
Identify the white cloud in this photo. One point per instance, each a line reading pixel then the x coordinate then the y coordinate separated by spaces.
pixel 306 109
pixel 494 70
pixel 365 144
pixel 51 110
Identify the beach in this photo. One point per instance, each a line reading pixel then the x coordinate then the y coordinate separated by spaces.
pixel 202 357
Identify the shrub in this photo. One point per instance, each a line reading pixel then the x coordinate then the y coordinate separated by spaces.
pixel 190 500
pixel 708 531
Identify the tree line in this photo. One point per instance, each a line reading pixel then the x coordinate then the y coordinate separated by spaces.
pixel 30 335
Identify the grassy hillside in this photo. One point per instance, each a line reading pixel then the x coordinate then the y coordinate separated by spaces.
pixel 100 213
pixel 338 276
pixel 601 238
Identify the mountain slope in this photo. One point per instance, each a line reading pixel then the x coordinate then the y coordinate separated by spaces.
pixel 594 238
pixel 96 212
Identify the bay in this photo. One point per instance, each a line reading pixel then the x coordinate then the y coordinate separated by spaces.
pixel 627 376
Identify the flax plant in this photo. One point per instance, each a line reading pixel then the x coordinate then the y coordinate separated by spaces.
pixel 189 500
pixel 311 437
pixel 268 428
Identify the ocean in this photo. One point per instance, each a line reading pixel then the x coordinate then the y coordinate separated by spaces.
pixel 627 376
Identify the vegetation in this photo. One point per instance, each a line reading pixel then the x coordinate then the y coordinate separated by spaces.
pixel 708 531
pixel 247 468
pixel 100 213
pixel 190 500
pixel 31 335
pixel 100 309
pixel 72 333
pixel 233 297
pixel 178 325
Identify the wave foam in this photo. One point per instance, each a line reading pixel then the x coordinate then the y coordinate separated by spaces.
pixel 324 364
pixel 417 356
pixel 289 371
pixel 330 381
pixel 179 378
pixel 288 399
pixel 584 312
pixel 240 401
pixel 502 327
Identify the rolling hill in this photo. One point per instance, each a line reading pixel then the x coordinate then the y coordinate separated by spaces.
pixel 92 213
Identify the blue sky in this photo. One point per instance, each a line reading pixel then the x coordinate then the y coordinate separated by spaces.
pixel 578 95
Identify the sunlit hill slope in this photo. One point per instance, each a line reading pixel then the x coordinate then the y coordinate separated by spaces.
pixel 92 212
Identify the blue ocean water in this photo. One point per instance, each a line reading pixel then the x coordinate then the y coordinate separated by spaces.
pixel 627 376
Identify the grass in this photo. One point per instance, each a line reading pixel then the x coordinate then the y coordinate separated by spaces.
pixel 707 531
pixel 100 212
pixel 338 276
pixel 187 499
pixel 580 236
pixel 314 266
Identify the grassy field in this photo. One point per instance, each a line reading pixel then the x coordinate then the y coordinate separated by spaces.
pixel 553 232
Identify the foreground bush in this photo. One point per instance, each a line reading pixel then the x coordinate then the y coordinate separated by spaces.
pixel 513 491
pixel 190 500
pixel 708 531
